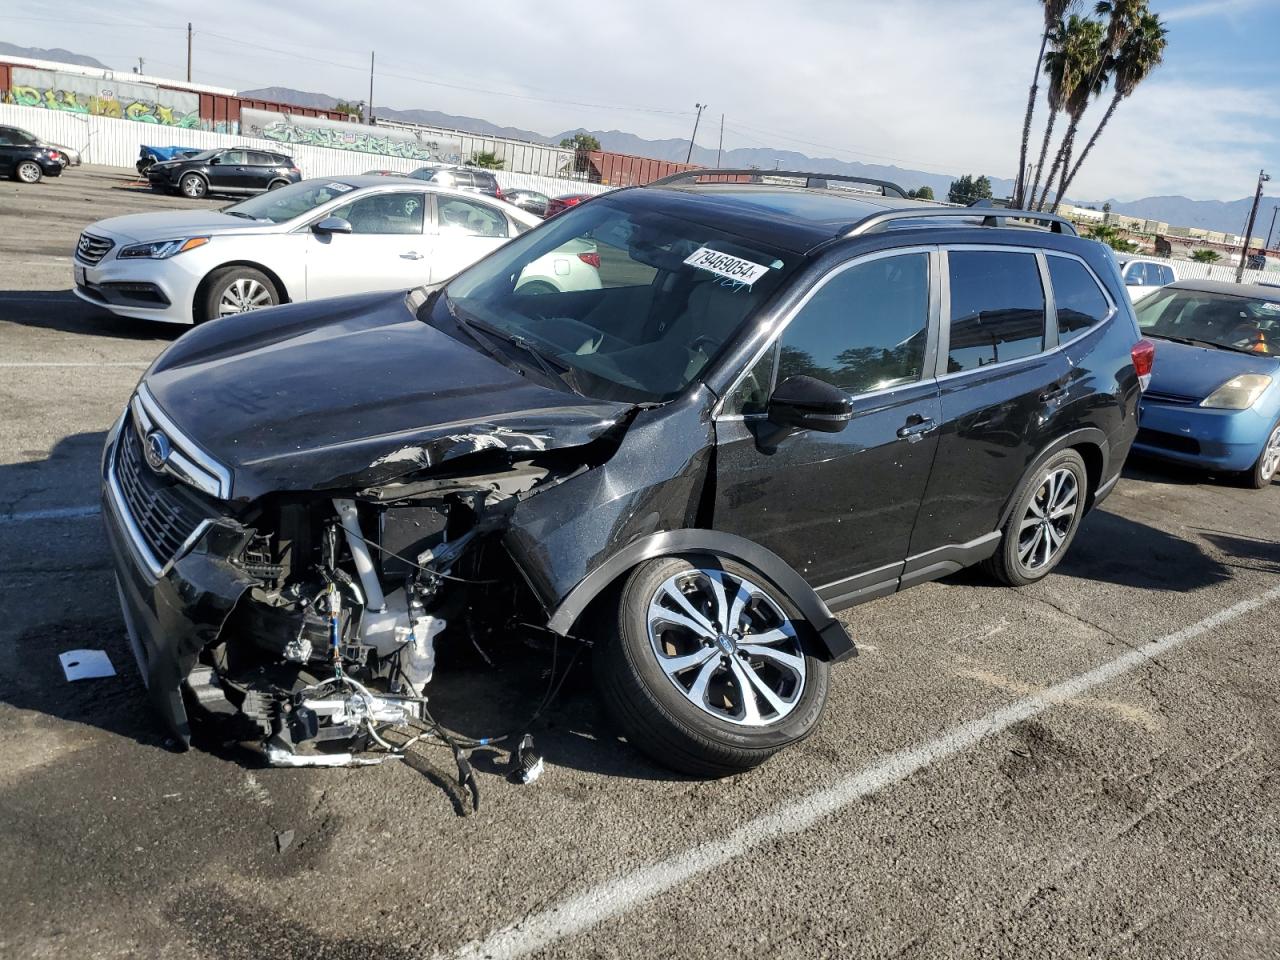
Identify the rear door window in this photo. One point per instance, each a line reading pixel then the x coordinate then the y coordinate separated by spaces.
pixel 997 308
pixel 1077 296
pixel 468 218
pixel 1136 274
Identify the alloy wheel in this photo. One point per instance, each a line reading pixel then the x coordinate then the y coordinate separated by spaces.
pixel 242 295
pixel 1048 518
pixel 1271 455
pixel 29 172
pixel 727 647
pixel 193 187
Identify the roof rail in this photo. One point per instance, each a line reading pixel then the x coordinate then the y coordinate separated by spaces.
pixel 990 218
pixel 816 181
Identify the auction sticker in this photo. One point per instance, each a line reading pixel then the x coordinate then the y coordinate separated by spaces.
pixel 726 265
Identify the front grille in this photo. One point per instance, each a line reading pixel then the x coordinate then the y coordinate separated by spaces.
pixel 1168 441
pixel 91 249
pixel 165 511
pixel 1173 398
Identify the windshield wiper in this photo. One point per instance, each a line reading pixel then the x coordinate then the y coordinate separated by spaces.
pixel 1194 342
pixel 237 213
pixel 553 368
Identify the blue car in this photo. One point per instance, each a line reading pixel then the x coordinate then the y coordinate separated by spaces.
pixel 1214 396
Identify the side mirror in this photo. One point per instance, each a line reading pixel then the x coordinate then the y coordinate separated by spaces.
pixel 331 225
pixel 806 403
pixel 213 160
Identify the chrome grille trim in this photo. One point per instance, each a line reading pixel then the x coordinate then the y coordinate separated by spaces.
pixel 187 462
pixel 91 249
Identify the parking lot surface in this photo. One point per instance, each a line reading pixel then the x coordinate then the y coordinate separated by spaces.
pixel 1086 767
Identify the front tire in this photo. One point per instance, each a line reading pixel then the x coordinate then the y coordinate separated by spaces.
pixel 1043 523
pixel 1267 465
pixel 233 290
pixel 193 186
pixel 28 171
pixel 711 669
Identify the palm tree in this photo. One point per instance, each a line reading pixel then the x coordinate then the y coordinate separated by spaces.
pixel 1054 11
pixel 1055 63
pixel 1139 54
pixel 1082 79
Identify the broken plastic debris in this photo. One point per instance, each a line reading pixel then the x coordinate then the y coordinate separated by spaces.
pixel 86 664
pixel 277 757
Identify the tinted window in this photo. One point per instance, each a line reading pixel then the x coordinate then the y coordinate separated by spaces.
pixel 485 180
pixel 865 329
pixel 233 156
pixel 458 216
pixel 384 213
pixel 997 308
pixel 752 392
pixel 263 160
pixel 1079 301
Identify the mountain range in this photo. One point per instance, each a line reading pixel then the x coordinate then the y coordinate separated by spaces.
pixel 1227 216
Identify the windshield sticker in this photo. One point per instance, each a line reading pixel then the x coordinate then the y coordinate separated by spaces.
pixel 339 187
pixel 725 265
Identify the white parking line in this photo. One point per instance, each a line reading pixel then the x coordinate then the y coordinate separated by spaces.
pixel 56 513
pixel 624 893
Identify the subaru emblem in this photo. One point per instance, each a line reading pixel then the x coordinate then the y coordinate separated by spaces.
pixel 157 450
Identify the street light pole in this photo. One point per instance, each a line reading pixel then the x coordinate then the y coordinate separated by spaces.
pixel 1274 211
pixel 701 107
pixel 1248 230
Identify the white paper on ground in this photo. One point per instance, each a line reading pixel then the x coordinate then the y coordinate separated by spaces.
pixel 86 664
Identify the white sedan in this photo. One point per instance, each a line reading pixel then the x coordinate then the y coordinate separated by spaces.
pixel 318 238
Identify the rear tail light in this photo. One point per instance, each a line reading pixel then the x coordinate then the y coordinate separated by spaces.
pixel 497 192
pixel 1144 358
pixel 591 259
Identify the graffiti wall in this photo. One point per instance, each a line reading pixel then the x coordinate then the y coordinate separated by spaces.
pixel 73 93
pixel 337 135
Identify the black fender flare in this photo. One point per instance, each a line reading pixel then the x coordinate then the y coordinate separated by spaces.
pixel 833 639
pixel 1091 436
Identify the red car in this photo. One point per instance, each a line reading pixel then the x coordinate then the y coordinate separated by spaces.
pixel 561 204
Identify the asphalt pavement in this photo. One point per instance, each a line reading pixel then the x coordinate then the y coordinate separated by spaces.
pixel 1082 768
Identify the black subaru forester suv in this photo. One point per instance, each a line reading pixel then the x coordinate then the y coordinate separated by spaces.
pixel 780 400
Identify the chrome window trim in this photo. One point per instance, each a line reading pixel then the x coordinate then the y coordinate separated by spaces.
pixel 781 324
pixel 194 466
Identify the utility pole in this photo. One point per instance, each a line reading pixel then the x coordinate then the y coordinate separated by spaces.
pixel 1274 211
pixel 370 117
pixel 701 107
pixel 1248 230
pixel 721 146
pixel 188 53
pixel 140 63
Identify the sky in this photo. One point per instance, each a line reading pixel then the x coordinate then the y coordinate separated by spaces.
pixel 935 85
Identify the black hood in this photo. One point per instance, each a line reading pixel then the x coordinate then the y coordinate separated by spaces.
pixel 352 392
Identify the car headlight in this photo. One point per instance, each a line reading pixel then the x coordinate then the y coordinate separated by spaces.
pixel 161 249
pixel 1238 393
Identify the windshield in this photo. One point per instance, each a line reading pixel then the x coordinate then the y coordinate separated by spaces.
pixel 289 202
pixel 631 304
pixel 1210 319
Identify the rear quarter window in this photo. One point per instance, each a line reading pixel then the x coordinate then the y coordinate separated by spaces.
pixel 1079 299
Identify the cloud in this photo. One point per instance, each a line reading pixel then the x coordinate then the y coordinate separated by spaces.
pixel 926 84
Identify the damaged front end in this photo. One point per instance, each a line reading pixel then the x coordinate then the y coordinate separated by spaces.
pixel 307 620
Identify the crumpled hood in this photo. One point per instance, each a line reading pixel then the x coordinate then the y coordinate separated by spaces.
pixel 1185 370
pixel 352 392
pixel 167 225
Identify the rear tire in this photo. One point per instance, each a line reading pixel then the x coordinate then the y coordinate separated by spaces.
pixel 1043 522
pixel 276 185
pixel 233 290
pixel 694 718
pixel 28 171
pixel 1267 465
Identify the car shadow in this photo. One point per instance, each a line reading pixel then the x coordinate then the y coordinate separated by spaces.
pixel 1249 553
pixel 1109 548
pixel 62 310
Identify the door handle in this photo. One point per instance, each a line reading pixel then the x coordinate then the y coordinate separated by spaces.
pixel 915 429
pixel 411 255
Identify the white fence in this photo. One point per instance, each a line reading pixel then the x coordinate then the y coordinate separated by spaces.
pixel 115 143
pixel 1226 271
